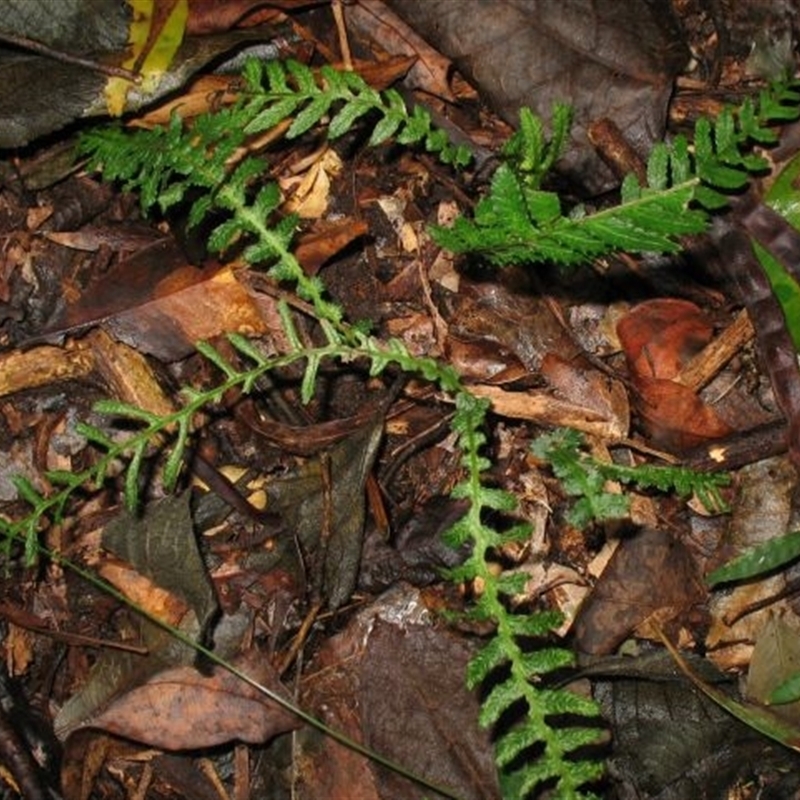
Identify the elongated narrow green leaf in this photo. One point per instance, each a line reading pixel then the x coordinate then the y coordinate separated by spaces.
pixel 216 358
pixel 27 491
pixel 759 560
pixel 133 477
pixel 116 408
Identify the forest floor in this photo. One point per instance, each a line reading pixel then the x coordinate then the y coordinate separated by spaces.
pixel 99 301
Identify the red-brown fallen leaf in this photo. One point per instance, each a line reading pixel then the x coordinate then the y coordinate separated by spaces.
pixel 213 16
pixel 430 72
pixel 315 248
pixel 159 304
pixel 659 336
pixel 183 709
pixel 676 418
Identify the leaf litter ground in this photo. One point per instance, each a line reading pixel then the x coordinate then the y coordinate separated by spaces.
pixel 98 303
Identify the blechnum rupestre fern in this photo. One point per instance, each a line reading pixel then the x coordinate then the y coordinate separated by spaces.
pixel 586 478
pixel 542 730
pixel 519 222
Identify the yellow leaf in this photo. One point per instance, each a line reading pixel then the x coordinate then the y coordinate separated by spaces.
pixel 155 34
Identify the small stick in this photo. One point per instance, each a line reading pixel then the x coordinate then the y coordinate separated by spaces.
pixel 66 58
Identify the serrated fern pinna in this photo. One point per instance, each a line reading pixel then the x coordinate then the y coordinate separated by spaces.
pixel 519 222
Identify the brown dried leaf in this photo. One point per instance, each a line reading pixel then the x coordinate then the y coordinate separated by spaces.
pixel 675 417
pixel 605 59
pixel 321 244
pixel 649 573
pixel 394 681
pixel 182 709
pixel 659 336
pixel 430 72
pixel 579 383
pixel 158 304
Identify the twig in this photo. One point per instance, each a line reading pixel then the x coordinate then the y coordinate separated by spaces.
pixel 67 58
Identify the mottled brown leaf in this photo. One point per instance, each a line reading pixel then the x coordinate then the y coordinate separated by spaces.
pixel 394 681
pixel 649 573
pixel 182 709
pixel 607 59
pixel 160 305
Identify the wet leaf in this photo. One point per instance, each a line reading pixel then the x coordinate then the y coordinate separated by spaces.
pixel 160 305
pixel 658 338
pixel 598 57
pixel 774 664
pixel 39 94
pixel 395 681
pixel 324 505
pixel 650 573
pixel 154 36
pixel 760 560
pixel 183 709
pixel 671 742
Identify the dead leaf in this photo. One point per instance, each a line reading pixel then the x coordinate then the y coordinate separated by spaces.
pixel 660 336
pixel 599 56
pixel 182 709
pixel 158 304
pixel 325 241
pixel 309 192
pixel 39 95
pixel 762 509
pixel 138 589
pixel 675 417
pixel 775 659
pixel 161 548
pixel 211 16
pixel 484 361
pixel 581 384
pixel 430 72
pixel 363 681
pixel 648 573
pixel 324 504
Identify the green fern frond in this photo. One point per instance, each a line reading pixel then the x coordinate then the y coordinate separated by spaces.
pixel 518 669
pixel 585 478
pixel 518 223
pixel 291 89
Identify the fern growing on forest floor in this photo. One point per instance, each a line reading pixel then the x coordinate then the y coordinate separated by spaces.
pixel 517 220
pixel 584 477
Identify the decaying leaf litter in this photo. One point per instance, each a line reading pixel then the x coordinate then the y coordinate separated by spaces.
pixel 325 578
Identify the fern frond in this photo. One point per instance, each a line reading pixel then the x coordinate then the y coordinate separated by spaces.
pixel 294 90
pixel 584 477
pixel 517 223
